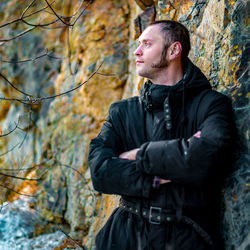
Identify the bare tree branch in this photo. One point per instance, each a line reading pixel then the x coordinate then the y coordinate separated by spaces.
pixel 69 237
pixel 23 17
pixel 66 23
pixel 54 57
pixel 82 177
pixel 19 35
pixel 28 7
pixel 24 178
pixel 62 17
pixel 35 58
pixel 90 2
pixel 69 52
pixel 24 138
pixel 12 130
pixel 67 166
pixel 11 22
pixel 8 151
pixel 25 169
pixel 38 100
pixel 103 74
pixel 68 17
pixel 12 190
pixel 14 87
pixel 40 25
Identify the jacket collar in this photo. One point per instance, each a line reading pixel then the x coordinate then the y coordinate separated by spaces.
pixel 154 95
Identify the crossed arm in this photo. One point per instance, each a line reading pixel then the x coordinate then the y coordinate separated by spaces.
pixel 190 162
pixel 131 155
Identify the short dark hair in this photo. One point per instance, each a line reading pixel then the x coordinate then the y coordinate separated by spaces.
pixel 174 31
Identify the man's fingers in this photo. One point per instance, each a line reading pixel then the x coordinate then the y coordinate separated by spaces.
pixel 129 155
pixel 163 181
pixel 198 134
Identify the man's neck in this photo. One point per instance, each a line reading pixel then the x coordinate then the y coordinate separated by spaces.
pixel 170 76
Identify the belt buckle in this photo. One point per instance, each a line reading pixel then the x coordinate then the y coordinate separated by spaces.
pixel 151 210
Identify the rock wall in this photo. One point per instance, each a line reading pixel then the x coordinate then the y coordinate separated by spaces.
pixel 51 141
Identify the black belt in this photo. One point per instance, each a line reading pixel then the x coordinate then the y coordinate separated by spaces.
pixel 157 215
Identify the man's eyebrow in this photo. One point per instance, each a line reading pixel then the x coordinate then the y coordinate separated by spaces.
pixel 145 40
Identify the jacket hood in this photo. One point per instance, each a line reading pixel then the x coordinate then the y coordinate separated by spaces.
pixel 193 82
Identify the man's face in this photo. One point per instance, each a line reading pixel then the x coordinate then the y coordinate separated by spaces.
pixel 148 54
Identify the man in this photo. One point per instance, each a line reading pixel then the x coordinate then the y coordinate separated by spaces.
pixel 164 151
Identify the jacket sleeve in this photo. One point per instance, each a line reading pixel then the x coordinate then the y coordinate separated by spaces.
pixel 111 174
pixel 192 161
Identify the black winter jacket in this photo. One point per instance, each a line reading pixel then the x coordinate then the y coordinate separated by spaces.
pixel 162 122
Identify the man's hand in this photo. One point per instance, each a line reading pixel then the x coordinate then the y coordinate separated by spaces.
pixel 129 155
pixel 164 181
pixel 196 135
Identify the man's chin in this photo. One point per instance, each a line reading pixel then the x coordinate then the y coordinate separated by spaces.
pixel 141 73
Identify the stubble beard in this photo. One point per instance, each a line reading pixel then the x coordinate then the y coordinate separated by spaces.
pixel 163 62
pixel 154 69
pixel 150 73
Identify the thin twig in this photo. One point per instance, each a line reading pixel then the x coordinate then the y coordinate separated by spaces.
pixel 33 59
pixel 14 87
pixel 90 2
pixel 26 134
pixel 36 25
pixel 24 178
pixel 74 14
pixel 103 74
pixel 23 17
pixel 63 17
pixel 52 28
pixel 69 52
pixel 69 237
pixel 26 60
pixel 10 22
pixel 8 151
pixel 40 25
pixel 54 57
pixel 67 166
pixel 38 100
pixel 19 35
pixel 66 23
pixel 12 190
pixel 29 6
pixel 12 130
pixel 68 17
pixel 83 178
pixel 25 169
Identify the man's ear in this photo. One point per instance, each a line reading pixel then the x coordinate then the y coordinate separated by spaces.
pixel 174 50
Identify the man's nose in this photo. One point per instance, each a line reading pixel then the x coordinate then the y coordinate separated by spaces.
pixel 138 51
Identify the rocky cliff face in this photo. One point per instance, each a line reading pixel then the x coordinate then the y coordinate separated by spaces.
pixel 49 147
